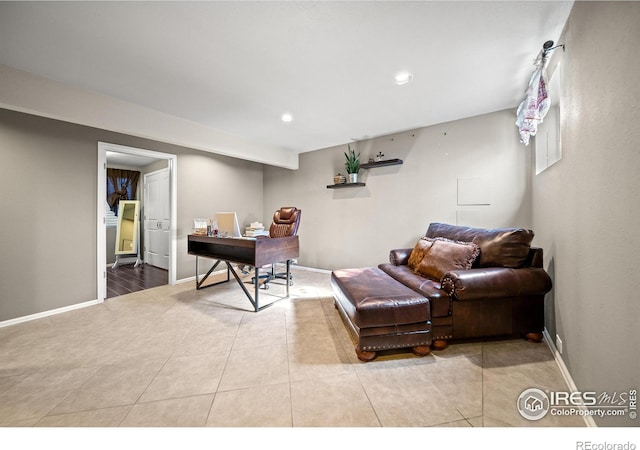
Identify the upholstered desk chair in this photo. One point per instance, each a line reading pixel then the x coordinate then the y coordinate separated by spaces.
pixel 286 221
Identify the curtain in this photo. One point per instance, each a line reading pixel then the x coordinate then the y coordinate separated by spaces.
pixel 535 106
pixel 121 185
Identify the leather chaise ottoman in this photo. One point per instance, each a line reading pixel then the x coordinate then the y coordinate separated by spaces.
pixel 381 312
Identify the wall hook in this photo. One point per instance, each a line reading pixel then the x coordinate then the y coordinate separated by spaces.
pixel 548 47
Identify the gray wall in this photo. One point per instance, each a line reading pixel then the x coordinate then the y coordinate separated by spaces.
pixel 586 211
pixel 48 190
pixel 207 184
pixel 356 227
pixel 48 207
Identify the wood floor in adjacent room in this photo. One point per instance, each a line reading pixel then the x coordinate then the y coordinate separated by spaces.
pixel 126 279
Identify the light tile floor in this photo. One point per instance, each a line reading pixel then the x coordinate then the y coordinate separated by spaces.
pixel 173 356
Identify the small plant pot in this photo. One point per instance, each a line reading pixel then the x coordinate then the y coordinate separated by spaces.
pixel 353 178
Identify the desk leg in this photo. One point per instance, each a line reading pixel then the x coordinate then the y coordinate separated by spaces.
pixel 200 282
pixel 257 288
pixel 288 275
pixel 254 301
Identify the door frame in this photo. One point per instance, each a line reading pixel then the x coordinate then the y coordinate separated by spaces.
pixel 101 242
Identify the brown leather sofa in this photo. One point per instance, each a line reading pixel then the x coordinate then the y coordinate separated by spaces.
pixel 501 293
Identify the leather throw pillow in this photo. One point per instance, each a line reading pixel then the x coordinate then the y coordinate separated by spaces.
pixel 445 255
pixel 421 247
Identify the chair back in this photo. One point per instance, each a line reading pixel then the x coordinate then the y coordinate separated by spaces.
pixel 285 222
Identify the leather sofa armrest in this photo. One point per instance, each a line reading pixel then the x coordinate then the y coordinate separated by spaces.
pixel 495 282
pixel 400 256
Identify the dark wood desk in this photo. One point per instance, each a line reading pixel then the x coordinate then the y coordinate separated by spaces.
pixel 254 252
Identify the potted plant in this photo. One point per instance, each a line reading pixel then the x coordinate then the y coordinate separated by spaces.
pixel 352 164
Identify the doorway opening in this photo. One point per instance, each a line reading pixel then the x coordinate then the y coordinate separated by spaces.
pixel 121 278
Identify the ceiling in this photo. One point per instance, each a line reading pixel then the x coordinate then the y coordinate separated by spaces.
pixel 238 66
pixel 116 159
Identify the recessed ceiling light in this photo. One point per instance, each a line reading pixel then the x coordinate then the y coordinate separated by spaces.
pixel 403 78
pixel 286 117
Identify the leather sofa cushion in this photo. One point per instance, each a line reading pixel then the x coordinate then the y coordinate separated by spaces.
pixel 499 247
pixel 373 299
pixel 445 255
pixel 439 300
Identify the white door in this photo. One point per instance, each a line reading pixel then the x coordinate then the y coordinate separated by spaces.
pixel 157 218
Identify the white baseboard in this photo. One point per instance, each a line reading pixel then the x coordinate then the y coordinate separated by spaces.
pixel 588 420
pixel 64 309
pixel 312 269
pixel 217 272
pixel 193 278
pixel 51 312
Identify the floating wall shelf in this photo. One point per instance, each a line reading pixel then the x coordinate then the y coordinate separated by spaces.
pixel 344 185
pixel 387 162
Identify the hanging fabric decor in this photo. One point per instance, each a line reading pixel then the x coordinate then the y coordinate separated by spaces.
pixel 535 106
pixel 121 185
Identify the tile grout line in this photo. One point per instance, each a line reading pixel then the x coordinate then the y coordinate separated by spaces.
pixel 286 338
pixel 355 371
pixel 224 368
pixel 68 395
